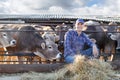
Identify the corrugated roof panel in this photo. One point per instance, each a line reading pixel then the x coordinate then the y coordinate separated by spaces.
pixel 62 16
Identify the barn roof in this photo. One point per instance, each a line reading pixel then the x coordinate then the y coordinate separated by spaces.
pixel 55 18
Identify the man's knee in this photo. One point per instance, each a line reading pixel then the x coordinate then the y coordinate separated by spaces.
pixel 69 59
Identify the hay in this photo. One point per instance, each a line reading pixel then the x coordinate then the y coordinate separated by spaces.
pixel 38 76
pixel 81 69
pixel 90 69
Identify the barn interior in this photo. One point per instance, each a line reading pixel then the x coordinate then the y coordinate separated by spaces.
pixel 52 21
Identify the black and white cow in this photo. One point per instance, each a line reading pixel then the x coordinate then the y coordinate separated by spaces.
pixel 103 41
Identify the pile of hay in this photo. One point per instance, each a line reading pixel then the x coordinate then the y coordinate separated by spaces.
pixel 81 69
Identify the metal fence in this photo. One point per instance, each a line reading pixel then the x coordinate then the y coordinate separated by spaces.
pixel 32 56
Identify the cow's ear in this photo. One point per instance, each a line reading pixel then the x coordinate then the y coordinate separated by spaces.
pixel 45 37
pixel 43 45
pixel 1 46
pixel 56 45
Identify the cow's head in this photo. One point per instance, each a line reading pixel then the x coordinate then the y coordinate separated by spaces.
pixel 6 39
pixel 113 32
pixel 50 52
pixel 92 26
pixel 116 36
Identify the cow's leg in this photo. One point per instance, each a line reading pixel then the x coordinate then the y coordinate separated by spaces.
pixel 2 58
pixel 110 49
pixel 6 58
pixel 36 60
pixel 102 54
pixel 113 52
pixel 21 59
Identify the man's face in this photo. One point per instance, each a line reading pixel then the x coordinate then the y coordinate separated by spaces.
pixel 79 27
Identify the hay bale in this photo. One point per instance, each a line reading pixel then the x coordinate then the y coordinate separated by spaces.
pixel 81 69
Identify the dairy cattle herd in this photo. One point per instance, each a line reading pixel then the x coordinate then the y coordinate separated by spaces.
pixel 48 44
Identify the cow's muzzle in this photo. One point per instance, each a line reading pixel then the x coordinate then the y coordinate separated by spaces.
pixel 13 42
pixel 118 48
pixel 59 56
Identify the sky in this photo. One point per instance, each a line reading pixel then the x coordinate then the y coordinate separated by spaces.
pixel 77 7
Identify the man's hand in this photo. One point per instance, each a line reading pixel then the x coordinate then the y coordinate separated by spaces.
pixel 95 51
pixel 93 40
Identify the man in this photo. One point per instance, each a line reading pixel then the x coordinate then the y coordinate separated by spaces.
pixel 75 41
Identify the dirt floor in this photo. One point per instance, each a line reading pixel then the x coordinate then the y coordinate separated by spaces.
pixel 11 77
pixel 15 77
pixel 18 77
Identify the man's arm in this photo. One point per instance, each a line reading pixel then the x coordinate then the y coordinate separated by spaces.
pixel 93 45
pixel 95 51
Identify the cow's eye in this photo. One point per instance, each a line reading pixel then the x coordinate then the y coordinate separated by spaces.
pixel 4 34
pixel 49 47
